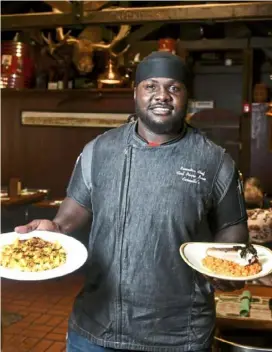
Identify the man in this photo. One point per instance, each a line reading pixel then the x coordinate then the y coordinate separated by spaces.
pixel 150 186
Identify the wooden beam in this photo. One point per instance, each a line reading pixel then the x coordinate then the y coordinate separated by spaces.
pixel 34 20
pixel 142 32
pixel 167 14
pixel 147 46
pixel 77 10
pixel 164 14
pixel 62 6
pixel 212 44
pixel 261 42
pixel 94 5
pixel 194 45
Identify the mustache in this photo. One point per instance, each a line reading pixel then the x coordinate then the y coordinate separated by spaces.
pixel 161 106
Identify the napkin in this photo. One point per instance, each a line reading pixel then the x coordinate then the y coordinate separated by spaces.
pixel 245 301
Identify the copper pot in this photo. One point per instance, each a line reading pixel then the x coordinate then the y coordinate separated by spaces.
pixel 223 345
pixel 17 65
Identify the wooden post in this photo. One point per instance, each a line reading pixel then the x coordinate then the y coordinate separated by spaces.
pixel 245 123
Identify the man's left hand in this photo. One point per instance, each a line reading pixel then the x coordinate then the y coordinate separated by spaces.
pixel 224 285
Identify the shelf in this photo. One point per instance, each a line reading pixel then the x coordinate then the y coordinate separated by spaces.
pixel 219 69
pixel 60 91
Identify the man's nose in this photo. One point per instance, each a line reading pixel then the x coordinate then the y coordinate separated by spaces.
pixel 162 94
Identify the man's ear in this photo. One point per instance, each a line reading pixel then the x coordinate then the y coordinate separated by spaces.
pixel 134 93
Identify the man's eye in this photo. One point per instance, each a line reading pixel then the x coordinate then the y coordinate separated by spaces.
pixel 150 86
pixel 174 89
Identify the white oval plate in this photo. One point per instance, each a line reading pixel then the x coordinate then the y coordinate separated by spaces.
pixel 76 256
pixel 193 253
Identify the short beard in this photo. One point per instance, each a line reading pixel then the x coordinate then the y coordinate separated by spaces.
pixel 174 125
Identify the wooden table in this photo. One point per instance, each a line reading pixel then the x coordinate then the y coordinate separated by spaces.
pixel 21 203
pixel 49 203
pixel 23 199
pixel 246 322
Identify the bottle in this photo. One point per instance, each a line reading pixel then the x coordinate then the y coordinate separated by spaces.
pixel 52 82
pixel 15 187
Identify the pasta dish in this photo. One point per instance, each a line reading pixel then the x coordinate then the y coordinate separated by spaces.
pixel 34 254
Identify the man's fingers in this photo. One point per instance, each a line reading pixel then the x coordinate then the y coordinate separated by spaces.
pixel 33 225
pixel 41 225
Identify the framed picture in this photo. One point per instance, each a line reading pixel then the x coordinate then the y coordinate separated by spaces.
pixel 73 119
pixel 195 106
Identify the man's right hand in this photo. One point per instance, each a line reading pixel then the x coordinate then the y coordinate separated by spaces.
pixel 45 225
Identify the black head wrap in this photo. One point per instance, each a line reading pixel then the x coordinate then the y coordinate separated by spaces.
pixel 161 64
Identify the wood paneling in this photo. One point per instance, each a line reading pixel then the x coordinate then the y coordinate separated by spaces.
pixel 222 84
pixel 222 127
pixel 43 157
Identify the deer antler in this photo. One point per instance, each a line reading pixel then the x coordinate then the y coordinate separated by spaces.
pixel 122 34
pixel 65 39
pixel 115 55
pixel 61 37
pixel 83 47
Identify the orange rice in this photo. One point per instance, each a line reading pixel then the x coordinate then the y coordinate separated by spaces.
pixel 228 268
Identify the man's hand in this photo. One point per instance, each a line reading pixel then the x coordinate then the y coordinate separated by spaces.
pixel 224 285
pixel 45 225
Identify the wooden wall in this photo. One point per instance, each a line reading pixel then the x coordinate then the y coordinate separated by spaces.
pixel 222 126
pixel 43 157
pixel 222 84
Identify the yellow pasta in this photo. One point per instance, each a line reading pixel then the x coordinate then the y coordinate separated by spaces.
pixel 34 254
